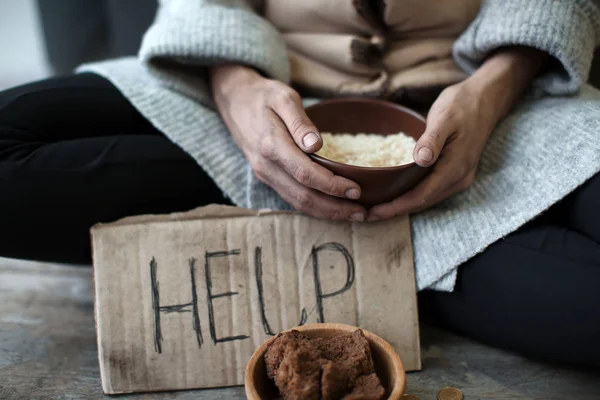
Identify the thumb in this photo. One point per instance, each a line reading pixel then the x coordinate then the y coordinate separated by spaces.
pixel 430 144
pixel 303 131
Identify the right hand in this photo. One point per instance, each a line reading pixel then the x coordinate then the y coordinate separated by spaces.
pixel 266 119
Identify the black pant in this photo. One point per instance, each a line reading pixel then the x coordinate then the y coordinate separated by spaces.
pixel 74 152
pixel 537 291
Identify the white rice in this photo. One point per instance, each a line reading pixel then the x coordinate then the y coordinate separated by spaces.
pixel 368 149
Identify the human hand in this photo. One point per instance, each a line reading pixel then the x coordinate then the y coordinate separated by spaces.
pixel 459 124
pixel 266 119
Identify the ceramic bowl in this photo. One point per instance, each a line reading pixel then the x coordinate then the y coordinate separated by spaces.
pixel 378 185
pixel 388 365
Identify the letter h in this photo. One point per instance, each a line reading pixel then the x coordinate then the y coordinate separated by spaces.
pixel 174 308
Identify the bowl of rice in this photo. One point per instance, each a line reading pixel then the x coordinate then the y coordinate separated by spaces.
pixel 370 142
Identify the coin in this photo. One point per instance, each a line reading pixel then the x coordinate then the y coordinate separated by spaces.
pixel 450 393
pixel 410 397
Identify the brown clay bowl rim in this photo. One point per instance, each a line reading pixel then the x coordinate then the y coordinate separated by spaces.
pixel 398 386
pixel 384 103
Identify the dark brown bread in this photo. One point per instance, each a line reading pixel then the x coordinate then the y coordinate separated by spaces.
pixel 335 368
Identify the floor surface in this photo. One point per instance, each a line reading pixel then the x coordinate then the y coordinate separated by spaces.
pixel 48 350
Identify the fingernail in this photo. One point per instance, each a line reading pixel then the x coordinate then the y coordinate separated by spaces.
pixel 357 216
pixel 352 194
pixel 310 139
pixel 425 154
pixel 373 218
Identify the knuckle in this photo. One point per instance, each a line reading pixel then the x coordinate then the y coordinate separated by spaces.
pixel 465 183
pixel 463 91
pixel 303 176
pixel 304 201
pixel 259 170
pixel 425 198
pixel 334 188
pixel 453 90
pixel 470 178
pixel 334 214
pixel 463 170
pixel 291 94
pixel 267 147
pixel 261 175
pixel 273 85
pixel 446 114
pixel 262 178
pixel 287 95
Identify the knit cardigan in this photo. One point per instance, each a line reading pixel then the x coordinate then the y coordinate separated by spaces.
pixel 547 147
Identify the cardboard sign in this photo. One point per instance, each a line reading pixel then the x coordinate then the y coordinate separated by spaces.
pixel 183 300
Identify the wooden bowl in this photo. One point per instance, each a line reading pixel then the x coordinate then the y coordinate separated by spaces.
pixel 388 365
pixel 378 184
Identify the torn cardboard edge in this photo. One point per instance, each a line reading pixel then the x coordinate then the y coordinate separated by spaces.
pixel 211 211
pixel 218 249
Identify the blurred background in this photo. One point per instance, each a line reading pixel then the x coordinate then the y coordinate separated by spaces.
pixel 40 38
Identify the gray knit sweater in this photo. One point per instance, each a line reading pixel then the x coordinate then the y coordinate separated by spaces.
pixel 545 149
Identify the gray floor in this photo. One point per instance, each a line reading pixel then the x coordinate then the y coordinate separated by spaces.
pixel 48 350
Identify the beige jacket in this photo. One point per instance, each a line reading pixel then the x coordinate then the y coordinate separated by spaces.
pixel 394 49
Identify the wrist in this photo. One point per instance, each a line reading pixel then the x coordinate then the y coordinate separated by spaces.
pixel 227 78
pixel 503 78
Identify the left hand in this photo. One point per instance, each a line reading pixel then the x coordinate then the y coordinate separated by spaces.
pixel 458 127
